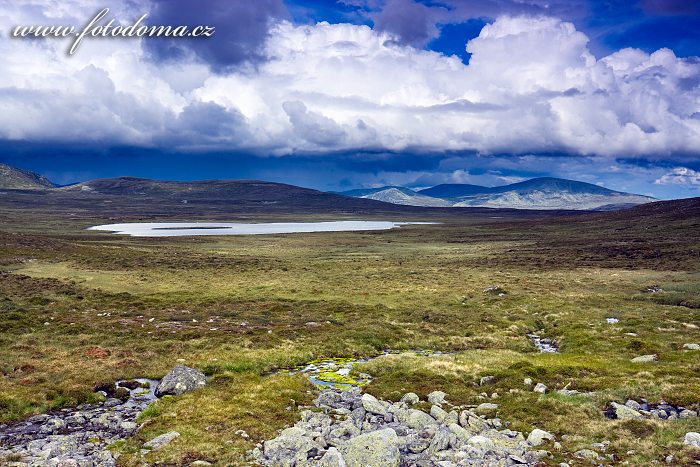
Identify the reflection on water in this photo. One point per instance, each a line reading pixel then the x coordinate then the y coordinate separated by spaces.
pixel 179 229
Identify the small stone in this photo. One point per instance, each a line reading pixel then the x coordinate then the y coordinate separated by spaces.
pixel 692 438
pixel 200 464
pixel 538 437
pixel 587 454
pixel 486 407
pixel 687 413
pixel 527 381
pixel 128 426
pixel 541 388
pixel 645 359
pixel 332 458
pixel 436 397
pixel 161 441
pixel 691 346
pixel 486 380
pixel 410 398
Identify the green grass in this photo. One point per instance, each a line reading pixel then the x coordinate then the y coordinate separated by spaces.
pixel 241 308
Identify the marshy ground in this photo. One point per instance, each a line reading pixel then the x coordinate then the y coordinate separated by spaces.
pixel 79 307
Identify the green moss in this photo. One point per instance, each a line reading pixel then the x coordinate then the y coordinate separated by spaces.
pixel 333 377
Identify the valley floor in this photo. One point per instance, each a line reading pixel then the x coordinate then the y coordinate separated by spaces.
pixel 78 307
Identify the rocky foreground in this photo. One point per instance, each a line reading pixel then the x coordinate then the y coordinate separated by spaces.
pixel 80 437
pixel 354 429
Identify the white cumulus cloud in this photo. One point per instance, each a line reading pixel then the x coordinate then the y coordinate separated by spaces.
pixel 680 176
pixel 532 85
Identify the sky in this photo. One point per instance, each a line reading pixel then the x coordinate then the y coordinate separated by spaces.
pixel 345 94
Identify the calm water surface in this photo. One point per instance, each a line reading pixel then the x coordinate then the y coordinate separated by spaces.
pixel 179 229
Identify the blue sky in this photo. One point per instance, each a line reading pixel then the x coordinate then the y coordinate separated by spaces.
pixel 344 94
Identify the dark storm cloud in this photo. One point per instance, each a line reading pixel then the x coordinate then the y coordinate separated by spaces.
pixel 417 23
pixel 414 23
pixel 241 29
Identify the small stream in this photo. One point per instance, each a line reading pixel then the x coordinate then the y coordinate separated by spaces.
pixel 544 344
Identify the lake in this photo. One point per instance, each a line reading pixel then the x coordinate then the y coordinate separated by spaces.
pixel 180 229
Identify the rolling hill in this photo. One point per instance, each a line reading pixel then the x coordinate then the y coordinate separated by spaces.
pixel 12 178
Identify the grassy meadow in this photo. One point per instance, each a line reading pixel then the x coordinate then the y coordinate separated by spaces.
pixel 81 307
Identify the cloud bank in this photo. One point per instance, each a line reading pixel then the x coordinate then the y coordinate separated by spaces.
pixel 532 86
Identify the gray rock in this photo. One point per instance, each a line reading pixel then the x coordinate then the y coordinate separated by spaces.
pixel 486 380
pixel 481 441
pixel 623 412
pixel 634 405
pixel 691 346
pixel 180 380
pixel 692 438
pixel 538 437
pixel 288 449
pixel 687 414
pixel 645 359
pixel 415 419
pixel 486 407
pixel 436 397
pixel 377 449
pixel 440 442
pixel 373 405
pixel 587 454
pixel 161 441
pixel 438 413
pixel 332 458
pixel 541 388
pixel 410 398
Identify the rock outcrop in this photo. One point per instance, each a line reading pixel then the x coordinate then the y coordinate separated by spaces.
pixel 356 430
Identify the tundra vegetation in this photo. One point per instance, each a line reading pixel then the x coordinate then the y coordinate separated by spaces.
pixel 80 307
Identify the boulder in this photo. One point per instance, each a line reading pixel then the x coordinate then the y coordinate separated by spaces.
pixel 161 441
pixel 377 449
pixel 538 437
pixel 622 412
pixel 415 419
pixel 436 397
pixel 691 346
pixel 481 441
pixel 180 380
pixel 410 398
pixel 692 439
pixel 645 359
pixel 373 405
pixel 289 448
pixel 438 413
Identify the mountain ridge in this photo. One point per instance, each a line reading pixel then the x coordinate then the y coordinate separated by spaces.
pixel 12 178
pixel 536 193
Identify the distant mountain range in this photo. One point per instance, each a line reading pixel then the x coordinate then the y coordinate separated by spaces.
pixel 537 193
